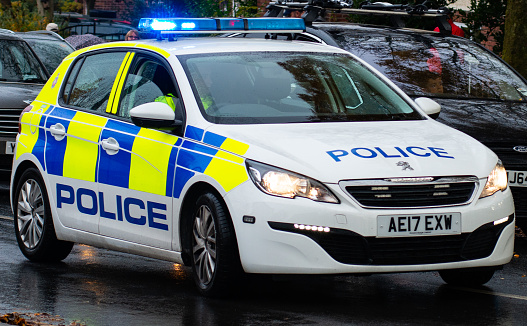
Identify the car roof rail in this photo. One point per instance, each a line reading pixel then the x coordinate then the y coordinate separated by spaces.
pixel 6 31
pixel 44 32
pixel 313 10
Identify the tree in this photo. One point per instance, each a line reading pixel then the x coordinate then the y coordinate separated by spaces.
pixel 88 5
pixel 223 8
pixel 5 4
pixel 190 8
pixel 514 45
pixel 18 10
pixel 485 22
pixel 21 16
pixel 46 8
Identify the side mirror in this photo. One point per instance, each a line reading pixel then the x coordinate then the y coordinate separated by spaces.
pixel 154 115
pixel 429 106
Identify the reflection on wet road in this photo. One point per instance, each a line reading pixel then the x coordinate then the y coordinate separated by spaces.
pixel 101 287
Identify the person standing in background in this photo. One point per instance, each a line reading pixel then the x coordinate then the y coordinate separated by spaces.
pixel 132 35
pixel 52 27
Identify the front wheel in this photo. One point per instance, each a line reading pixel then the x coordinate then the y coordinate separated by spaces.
pixel 467 276
pixel 34 227
pixel 215 258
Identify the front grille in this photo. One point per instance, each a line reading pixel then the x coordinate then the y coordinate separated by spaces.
pixel 390 194
pixel 9 122
pixel 348 247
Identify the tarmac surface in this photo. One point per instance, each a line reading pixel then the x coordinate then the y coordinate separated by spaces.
pixel 95 287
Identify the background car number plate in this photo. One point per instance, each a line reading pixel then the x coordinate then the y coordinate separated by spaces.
pixel 10 147
pixel 418 225
pixel 517 178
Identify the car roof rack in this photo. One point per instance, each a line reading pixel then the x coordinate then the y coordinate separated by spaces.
pixel 316 9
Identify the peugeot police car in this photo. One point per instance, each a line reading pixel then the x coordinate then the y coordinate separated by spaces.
pixel 257 156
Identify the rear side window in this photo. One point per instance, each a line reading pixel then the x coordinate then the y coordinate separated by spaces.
pixel 18 63
pixel 50 52
pixel 89 86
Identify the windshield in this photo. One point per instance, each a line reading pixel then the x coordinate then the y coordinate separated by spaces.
pixel 18 63
pixel 50 52
pixel 290 87
pixel 424 65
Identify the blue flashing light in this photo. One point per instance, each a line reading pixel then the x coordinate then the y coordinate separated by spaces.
pixel 178 24
pixel 189 25
pixel 159 25
pixel 221 25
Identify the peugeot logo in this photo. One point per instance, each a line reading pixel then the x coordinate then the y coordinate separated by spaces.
pixel 405 165
pixel 521 149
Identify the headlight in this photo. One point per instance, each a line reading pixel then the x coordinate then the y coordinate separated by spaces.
pixel 278 182
pixel 497 180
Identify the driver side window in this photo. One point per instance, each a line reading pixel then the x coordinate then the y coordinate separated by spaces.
pixel 147 81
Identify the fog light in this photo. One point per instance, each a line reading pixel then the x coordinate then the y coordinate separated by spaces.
pixel 314 228
pixel 501 220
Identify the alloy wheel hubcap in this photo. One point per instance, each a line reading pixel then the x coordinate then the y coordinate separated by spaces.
pixel 30 213
pixel 204 244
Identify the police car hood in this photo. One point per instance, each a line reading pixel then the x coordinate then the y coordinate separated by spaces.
pixel 330 152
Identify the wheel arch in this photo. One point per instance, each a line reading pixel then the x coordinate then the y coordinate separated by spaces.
pixel 185 215
pixel 20 169
pixel 48 247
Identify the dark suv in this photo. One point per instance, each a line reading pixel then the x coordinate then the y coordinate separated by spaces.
pixel 50 47
pixel 479 93
pixel 22 76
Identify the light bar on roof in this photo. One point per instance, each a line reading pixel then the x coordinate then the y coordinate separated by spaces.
pixel 222 25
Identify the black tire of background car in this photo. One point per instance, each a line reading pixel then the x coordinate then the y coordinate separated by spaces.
pixel 227 261
pixel 467 276
pixel 48 248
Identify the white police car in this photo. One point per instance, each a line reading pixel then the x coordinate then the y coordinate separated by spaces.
pixel 260 156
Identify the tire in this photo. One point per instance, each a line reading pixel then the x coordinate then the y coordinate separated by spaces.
pixel 214 252
pixel 467 276
pixel 33 222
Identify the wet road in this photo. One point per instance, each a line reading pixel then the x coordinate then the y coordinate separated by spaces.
pixel 101 287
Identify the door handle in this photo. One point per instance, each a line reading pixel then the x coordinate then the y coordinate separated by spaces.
pixel 110 145
pixel 58 131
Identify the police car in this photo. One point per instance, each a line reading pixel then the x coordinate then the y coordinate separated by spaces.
pixel 257 156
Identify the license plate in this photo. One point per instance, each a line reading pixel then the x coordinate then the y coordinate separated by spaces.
pixel 517 178
pixel 418 225
pixel 10 147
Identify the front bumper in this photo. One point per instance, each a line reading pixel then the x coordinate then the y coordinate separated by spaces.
pixel 272 245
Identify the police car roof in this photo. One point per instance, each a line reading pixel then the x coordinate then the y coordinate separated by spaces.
pixel 199 45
